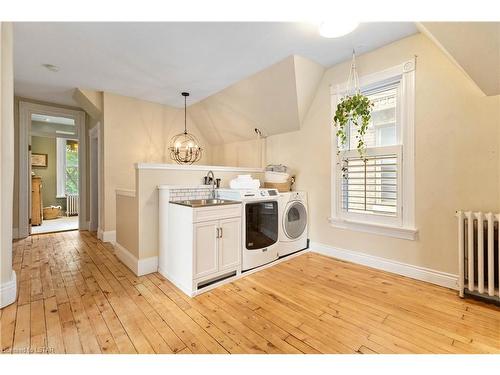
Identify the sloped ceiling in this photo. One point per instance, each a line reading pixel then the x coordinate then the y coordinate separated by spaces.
pixel 307 77
pixel 474 46
pixel 274 100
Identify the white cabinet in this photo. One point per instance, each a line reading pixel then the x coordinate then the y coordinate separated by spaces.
pixel 203 246
pixel 230 239
pixel 206 248
pixel 217 246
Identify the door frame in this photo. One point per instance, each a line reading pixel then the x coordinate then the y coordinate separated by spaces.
pixel 26 109
pixel 95 183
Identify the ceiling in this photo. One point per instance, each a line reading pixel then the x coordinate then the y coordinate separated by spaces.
pixel 156 61
pixel 465 42
pixel 52 130
pixel 52 119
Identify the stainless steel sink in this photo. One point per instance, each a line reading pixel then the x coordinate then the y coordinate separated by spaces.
pixel 205 202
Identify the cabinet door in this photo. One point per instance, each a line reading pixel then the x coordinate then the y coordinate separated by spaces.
pixel 229 243
pixel 205 248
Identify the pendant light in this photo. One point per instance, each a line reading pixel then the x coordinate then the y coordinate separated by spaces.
pixel 185 148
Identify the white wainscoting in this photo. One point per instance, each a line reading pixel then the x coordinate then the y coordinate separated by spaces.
pixel 8 291
pixel 447 280
pixel 139 267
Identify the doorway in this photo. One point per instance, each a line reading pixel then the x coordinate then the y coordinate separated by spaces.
pixel 51 169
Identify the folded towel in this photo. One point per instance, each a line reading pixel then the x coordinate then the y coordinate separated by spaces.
pixel 239 184
pixel 244 177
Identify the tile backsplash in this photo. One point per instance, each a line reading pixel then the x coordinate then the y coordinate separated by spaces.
pixel 198 192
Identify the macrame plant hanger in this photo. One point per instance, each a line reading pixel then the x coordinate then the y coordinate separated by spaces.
pixel 352 87
pixel 353 79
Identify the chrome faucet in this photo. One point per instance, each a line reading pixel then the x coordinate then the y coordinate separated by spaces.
pixel 211 174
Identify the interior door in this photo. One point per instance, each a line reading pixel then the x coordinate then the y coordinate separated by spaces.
pixel 206 259
pixel 229 243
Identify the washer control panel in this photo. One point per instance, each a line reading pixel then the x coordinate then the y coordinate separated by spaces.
pixel 268 193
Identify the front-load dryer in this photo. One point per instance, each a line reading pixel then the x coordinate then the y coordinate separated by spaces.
pixel 261 221
pixel 293 217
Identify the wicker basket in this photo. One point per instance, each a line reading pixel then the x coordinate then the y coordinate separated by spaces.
pixel 282 187
pixel 51 212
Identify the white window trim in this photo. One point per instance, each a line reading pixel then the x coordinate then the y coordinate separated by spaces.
pixel 61 167
pixel 406 227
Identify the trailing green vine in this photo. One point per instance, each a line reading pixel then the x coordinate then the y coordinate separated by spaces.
pixel 353 109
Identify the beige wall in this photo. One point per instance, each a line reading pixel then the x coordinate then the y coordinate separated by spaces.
pixel 6 158
pixel 127 220
pixel 135 131
pixel 240 154
pixel 44 145
pixel 457 156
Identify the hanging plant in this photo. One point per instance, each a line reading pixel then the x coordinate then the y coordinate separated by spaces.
pixel 356 110
pixel 353 109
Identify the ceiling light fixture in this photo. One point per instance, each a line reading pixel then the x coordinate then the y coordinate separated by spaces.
pixel 336 29
pixel 185 147
pixel 52 68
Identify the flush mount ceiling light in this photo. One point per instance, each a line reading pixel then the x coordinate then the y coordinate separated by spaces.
pixel 185 147
pixel 336 29
pixel 52 68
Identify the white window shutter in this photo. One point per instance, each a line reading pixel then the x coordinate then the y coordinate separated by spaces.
pixel 372 185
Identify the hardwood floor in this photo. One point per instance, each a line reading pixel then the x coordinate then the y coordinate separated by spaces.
pixel 75 296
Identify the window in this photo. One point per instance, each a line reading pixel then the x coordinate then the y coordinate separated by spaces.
pixel 376 194
pixel 67 167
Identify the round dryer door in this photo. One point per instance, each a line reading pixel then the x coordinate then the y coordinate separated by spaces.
pixel 295 220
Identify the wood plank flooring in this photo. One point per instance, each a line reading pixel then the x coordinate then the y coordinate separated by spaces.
pixel 75 296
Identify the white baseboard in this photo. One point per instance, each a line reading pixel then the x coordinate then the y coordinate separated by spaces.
pixel 15 233
pixel 447 280
pixel 8 291
pixel 109 236
pixel 138 266
pixel 147 265
pixel 99 233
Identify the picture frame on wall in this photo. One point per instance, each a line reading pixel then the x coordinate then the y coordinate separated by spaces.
pixel 39 160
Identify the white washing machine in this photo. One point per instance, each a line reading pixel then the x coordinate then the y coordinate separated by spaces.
pixel 292 207
pixel 261 221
